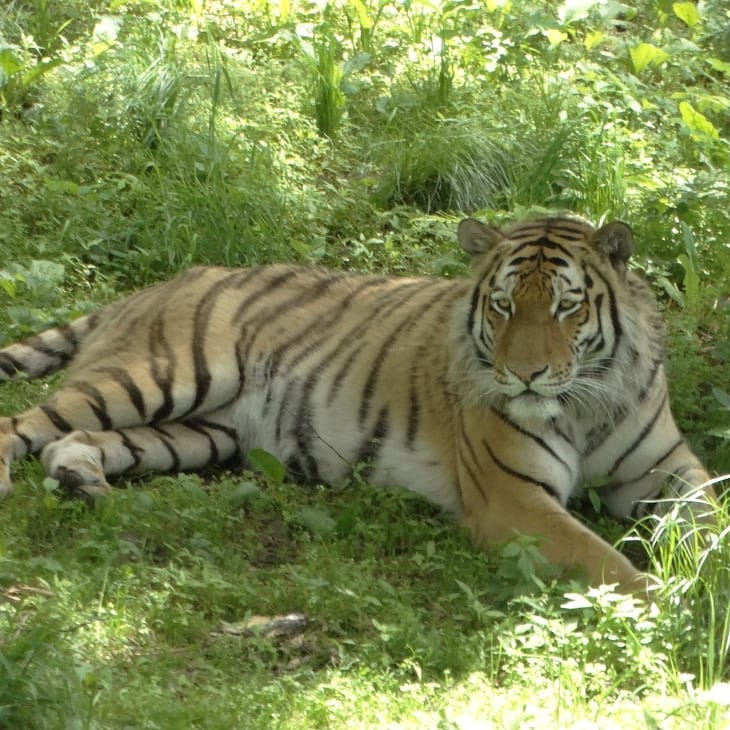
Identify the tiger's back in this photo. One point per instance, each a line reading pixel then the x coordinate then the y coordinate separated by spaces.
pixel 326 370
pixel 492 396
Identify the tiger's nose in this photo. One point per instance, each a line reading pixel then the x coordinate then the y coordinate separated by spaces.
pixel 527 376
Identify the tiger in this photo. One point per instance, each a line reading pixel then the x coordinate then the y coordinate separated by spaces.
pixel 497 395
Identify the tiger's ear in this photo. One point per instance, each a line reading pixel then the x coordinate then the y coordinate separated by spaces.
pixel 615 241
pixel 477 237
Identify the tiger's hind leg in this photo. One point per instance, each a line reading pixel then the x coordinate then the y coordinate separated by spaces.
pixel 22 435
pixel 107 398
pixel 82 460
pixel 99 403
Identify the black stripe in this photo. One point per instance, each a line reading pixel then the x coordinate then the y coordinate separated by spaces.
pixel 321 324
pixel 613 309
pixel 39 344
pixel 231 433
pixel 518 475
pixel 326 326
pixel 682 470
pixel 266 289
pixel 25 439
pixel 263 319
pixel 562 435
pixel 131 447
pixel 303 436
pixel 382 354
pixel 55 418
pixel 558 261
pixel 313 293
pixel 534 437
pixel 465 440
pixel 342 372
pixel 167 441
pixel 541 243
pixel 642 435
pixel 161 351
pixel 387 303
pixel 201 326
pixel 414 409
pixel 98 406
pixel 643 475
pixel 69 334
pixel 472 311
pixel 214 457
pixel 124 380
pixel 234 279
pixel 285 407
pixel 370 447
pixel 486 341
pixel 597 341
pixel 10 365
pixel 645 390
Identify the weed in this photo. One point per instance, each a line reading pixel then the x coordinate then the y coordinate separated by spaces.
pixel 139 138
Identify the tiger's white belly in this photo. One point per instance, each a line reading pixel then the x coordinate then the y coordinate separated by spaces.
pixel 268 418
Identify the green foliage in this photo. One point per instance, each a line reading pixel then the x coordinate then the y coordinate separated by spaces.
pixel 267 464
pixel 32 298
pixel 140 138
pixel 329 101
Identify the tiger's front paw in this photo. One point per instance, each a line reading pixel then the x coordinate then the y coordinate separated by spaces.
pixel 76 465
pixel 6 486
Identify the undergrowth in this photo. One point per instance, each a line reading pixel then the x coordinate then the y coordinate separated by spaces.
pixel 140 138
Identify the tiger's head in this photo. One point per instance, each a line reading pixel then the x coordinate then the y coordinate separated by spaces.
pixel 544 316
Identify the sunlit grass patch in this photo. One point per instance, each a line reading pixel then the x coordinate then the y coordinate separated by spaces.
pixel 140 138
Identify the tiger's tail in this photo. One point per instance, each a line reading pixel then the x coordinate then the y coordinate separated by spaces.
pixel 46 352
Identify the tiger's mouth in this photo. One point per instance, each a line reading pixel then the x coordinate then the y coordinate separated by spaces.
pixel 532 406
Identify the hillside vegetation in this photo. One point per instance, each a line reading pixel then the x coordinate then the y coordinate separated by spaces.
pixel 140 137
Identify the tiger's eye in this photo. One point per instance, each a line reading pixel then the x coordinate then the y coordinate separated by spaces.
pixel 565 304
pixel 502 304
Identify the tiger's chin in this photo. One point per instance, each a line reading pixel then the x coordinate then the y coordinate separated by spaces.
pixel 533 408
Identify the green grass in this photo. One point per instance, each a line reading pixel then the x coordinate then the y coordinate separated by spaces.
pixel 127 619
pixel 174 133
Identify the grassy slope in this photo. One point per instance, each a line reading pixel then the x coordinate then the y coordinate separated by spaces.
pixel 128 162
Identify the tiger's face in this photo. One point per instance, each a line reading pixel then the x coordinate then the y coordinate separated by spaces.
pixel 543 313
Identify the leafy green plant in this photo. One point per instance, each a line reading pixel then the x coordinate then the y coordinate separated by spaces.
pixel 440 164
pixel 19 77
pixel 32 298
pixel 355 135
pixel 329 101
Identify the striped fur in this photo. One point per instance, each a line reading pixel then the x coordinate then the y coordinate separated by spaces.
pixel 495 396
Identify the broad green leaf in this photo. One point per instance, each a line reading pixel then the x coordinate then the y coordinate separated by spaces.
pixel 646 54
pixel 9 284
pixel 574 10
pixel 363 17
pixel 8 64
pixel 722 396
pixel 243 494
pixel 50 484
pixel 284 10
pixel 699 125
pixel 49 272
pixel 595 501
pixel 576 600
pixel 593 38
pixel 267 464
pixel 555 36
pixel 40 69
pixel 687 13
pixel 315 520
pixel 719 65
